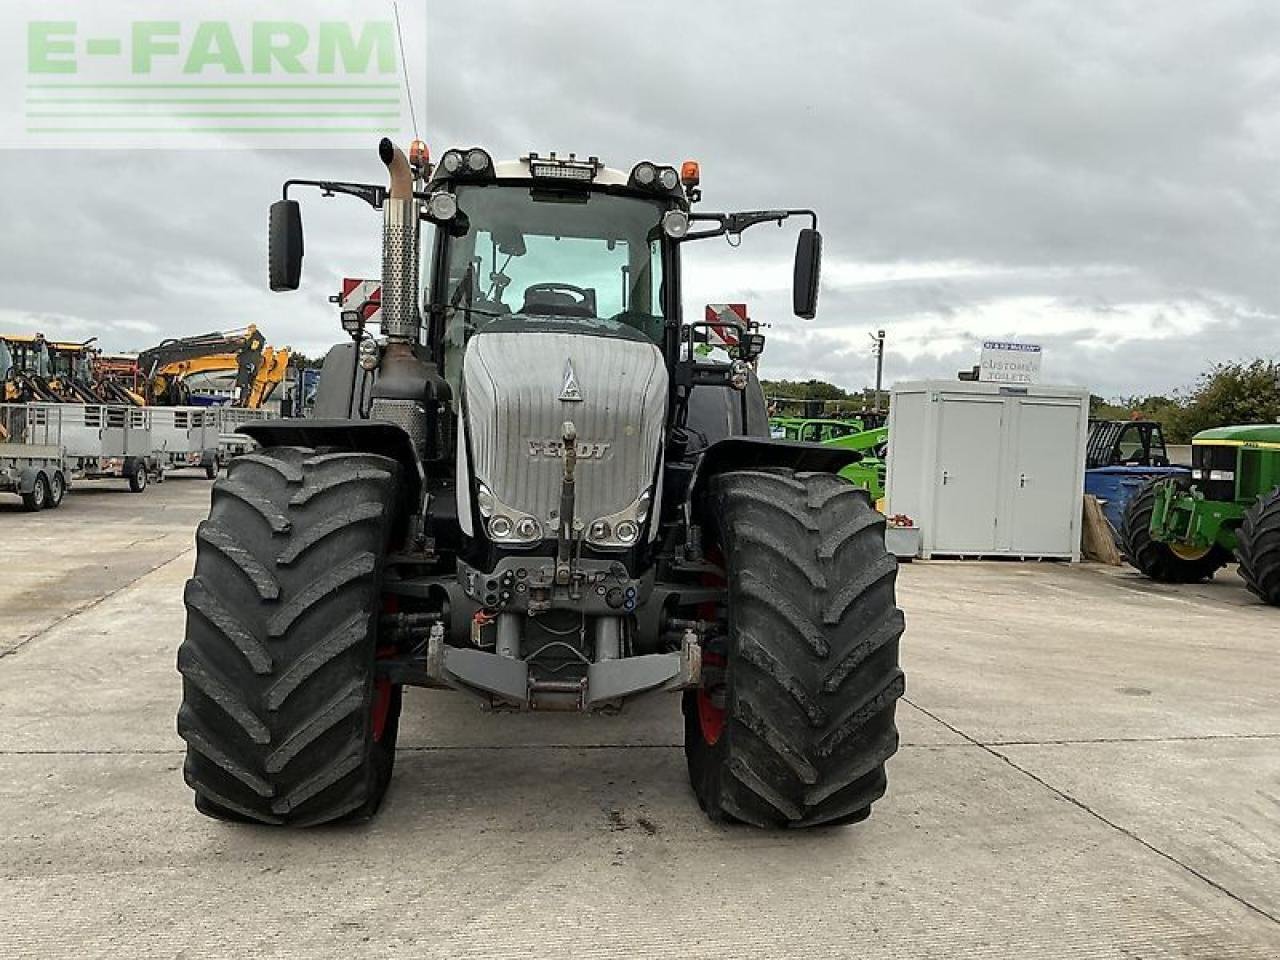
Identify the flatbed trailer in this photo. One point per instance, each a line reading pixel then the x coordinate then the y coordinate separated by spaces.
pixel 32 460
pixel 92 441
pixel 187 438
pixel 230 419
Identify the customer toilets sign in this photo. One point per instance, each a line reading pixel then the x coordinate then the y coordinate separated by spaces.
pixel 1010 362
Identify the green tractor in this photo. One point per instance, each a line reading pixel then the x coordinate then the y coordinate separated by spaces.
pixel 1179 530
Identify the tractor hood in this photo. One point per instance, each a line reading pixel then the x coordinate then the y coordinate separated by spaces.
pixel 523 379
pixel 1265 435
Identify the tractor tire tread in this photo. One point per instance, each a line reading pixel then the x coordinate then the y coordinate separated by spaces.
pixel 1258 548
pixel 277 659
pixel 812 673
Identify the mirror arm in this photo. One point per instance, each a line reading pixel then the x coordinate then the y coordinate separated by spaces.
pixel 733 224
pixel 371 193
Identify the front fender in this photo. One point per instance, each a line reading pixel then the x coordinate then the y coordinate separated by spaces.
pixel 362 436
pixel 744 453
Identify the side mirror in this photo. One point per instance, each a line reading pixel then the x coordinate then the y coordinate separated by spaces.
pixel 284 245
pixel 808 272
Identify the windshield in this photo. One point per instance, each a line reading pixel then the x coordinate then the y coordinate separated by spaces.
pixel 537 252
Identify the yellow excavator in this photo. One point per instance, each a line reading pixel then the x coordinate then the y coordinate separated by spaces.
pixel 34 368
pixel 255 368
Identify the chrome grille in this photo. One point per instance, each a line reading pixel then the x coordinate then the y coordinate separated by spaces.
pixel 512 383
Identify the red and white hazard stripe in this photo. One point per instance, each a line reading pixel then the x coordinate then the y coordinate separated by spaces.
pixel 356 292
pixel 719 316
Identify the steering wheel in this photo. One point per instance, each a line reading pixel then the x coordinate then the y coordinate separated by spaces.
pixel 582 304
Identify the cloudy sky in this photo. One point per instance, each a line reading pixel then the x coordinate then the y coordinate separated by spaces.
pixel 1099 177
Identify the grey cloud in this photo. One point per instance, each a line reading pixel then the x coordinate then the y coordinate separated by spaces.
pixel 1103 158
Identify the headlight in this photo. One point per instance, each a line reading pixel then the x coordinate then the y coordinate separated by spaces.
pixel 452 161
pixel 443 205
pixel 675 224
pixel 485 501
pixel 644 174
pixel 650 176
pixel 505 526
pixel 621 530
pixel 370 354
pixel 466 164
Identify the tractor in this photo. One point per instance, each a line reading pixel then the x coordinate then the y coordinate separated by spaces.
pixel 1183 530
pixel 532 490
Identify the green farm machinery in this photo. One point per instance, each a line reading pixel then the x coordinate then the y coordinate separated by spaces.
pixel 867 473
pixel 1180 530
pixel 849 433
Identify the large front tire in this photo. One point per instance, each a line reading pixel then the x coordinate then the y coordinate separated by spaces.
pixel 1258 548
pixel 1159 560
pixel 284 720
pixel 797 719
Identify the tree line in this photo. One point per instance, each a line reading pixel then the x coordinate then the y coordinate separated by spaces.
pixel 1227 393
pixel 1246 391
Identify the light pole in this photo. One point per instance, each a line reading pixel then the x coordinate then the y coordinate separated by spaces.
pixel 878 339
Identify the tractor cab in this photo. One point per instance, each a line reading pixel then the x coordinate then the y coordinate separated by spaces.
pixel 1126 443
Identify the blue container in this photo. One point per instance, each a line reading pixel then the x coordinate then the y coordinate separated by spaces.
pixel 1114 486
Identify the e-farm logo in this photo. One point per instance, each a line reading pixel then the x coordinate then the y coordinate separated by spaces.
pixel 132 74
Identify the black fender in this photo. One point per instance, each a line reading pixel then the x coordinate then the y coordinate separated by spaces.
pixel 361 436
pixel 744 453
pixel 27 479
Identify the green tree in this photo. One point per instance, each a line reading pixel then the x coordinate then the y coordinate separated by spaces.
pixel 1234 393
pixel 804 390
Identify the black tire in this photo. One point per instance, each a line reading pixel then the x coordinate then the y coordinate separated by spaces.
pixel 138 476
pixel 810 674
pixel 211 470
pixel 57 490
pixel 1258 548
pixel 1154 558
pixel 38 498
pixel 284 721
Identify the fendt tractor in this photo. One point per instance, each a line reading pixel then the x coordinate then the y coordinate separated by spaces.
pixel 1183 530
pixel 533 490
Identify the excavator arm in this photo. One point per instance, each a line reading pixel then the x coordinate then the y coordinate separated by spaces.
pixel 168 364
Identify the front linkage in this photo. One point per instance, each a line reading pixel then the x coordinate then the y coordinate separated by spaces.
pixel 1190 522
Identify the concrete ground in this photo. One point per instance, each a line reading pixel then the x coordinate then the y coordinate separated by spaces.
pixel 1090 768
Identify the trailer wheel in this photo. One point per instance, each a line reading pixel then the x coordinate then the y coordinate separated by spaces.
pixel 38 497
pixel 797 720
pixel 284 718
pixel 138 476
pixel 57 490
pixel 211 470
pixel 1258 548
pixel 1164 562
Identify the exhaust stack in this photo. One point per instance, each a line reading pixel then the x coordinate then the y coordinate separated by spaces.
pixel 401 235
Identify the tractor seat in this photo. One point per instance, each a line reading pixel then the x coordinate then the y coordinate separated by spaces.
pixel 553 302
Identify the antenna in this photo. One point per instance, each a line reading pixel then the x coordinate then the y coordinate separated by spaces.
pixel 404 67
